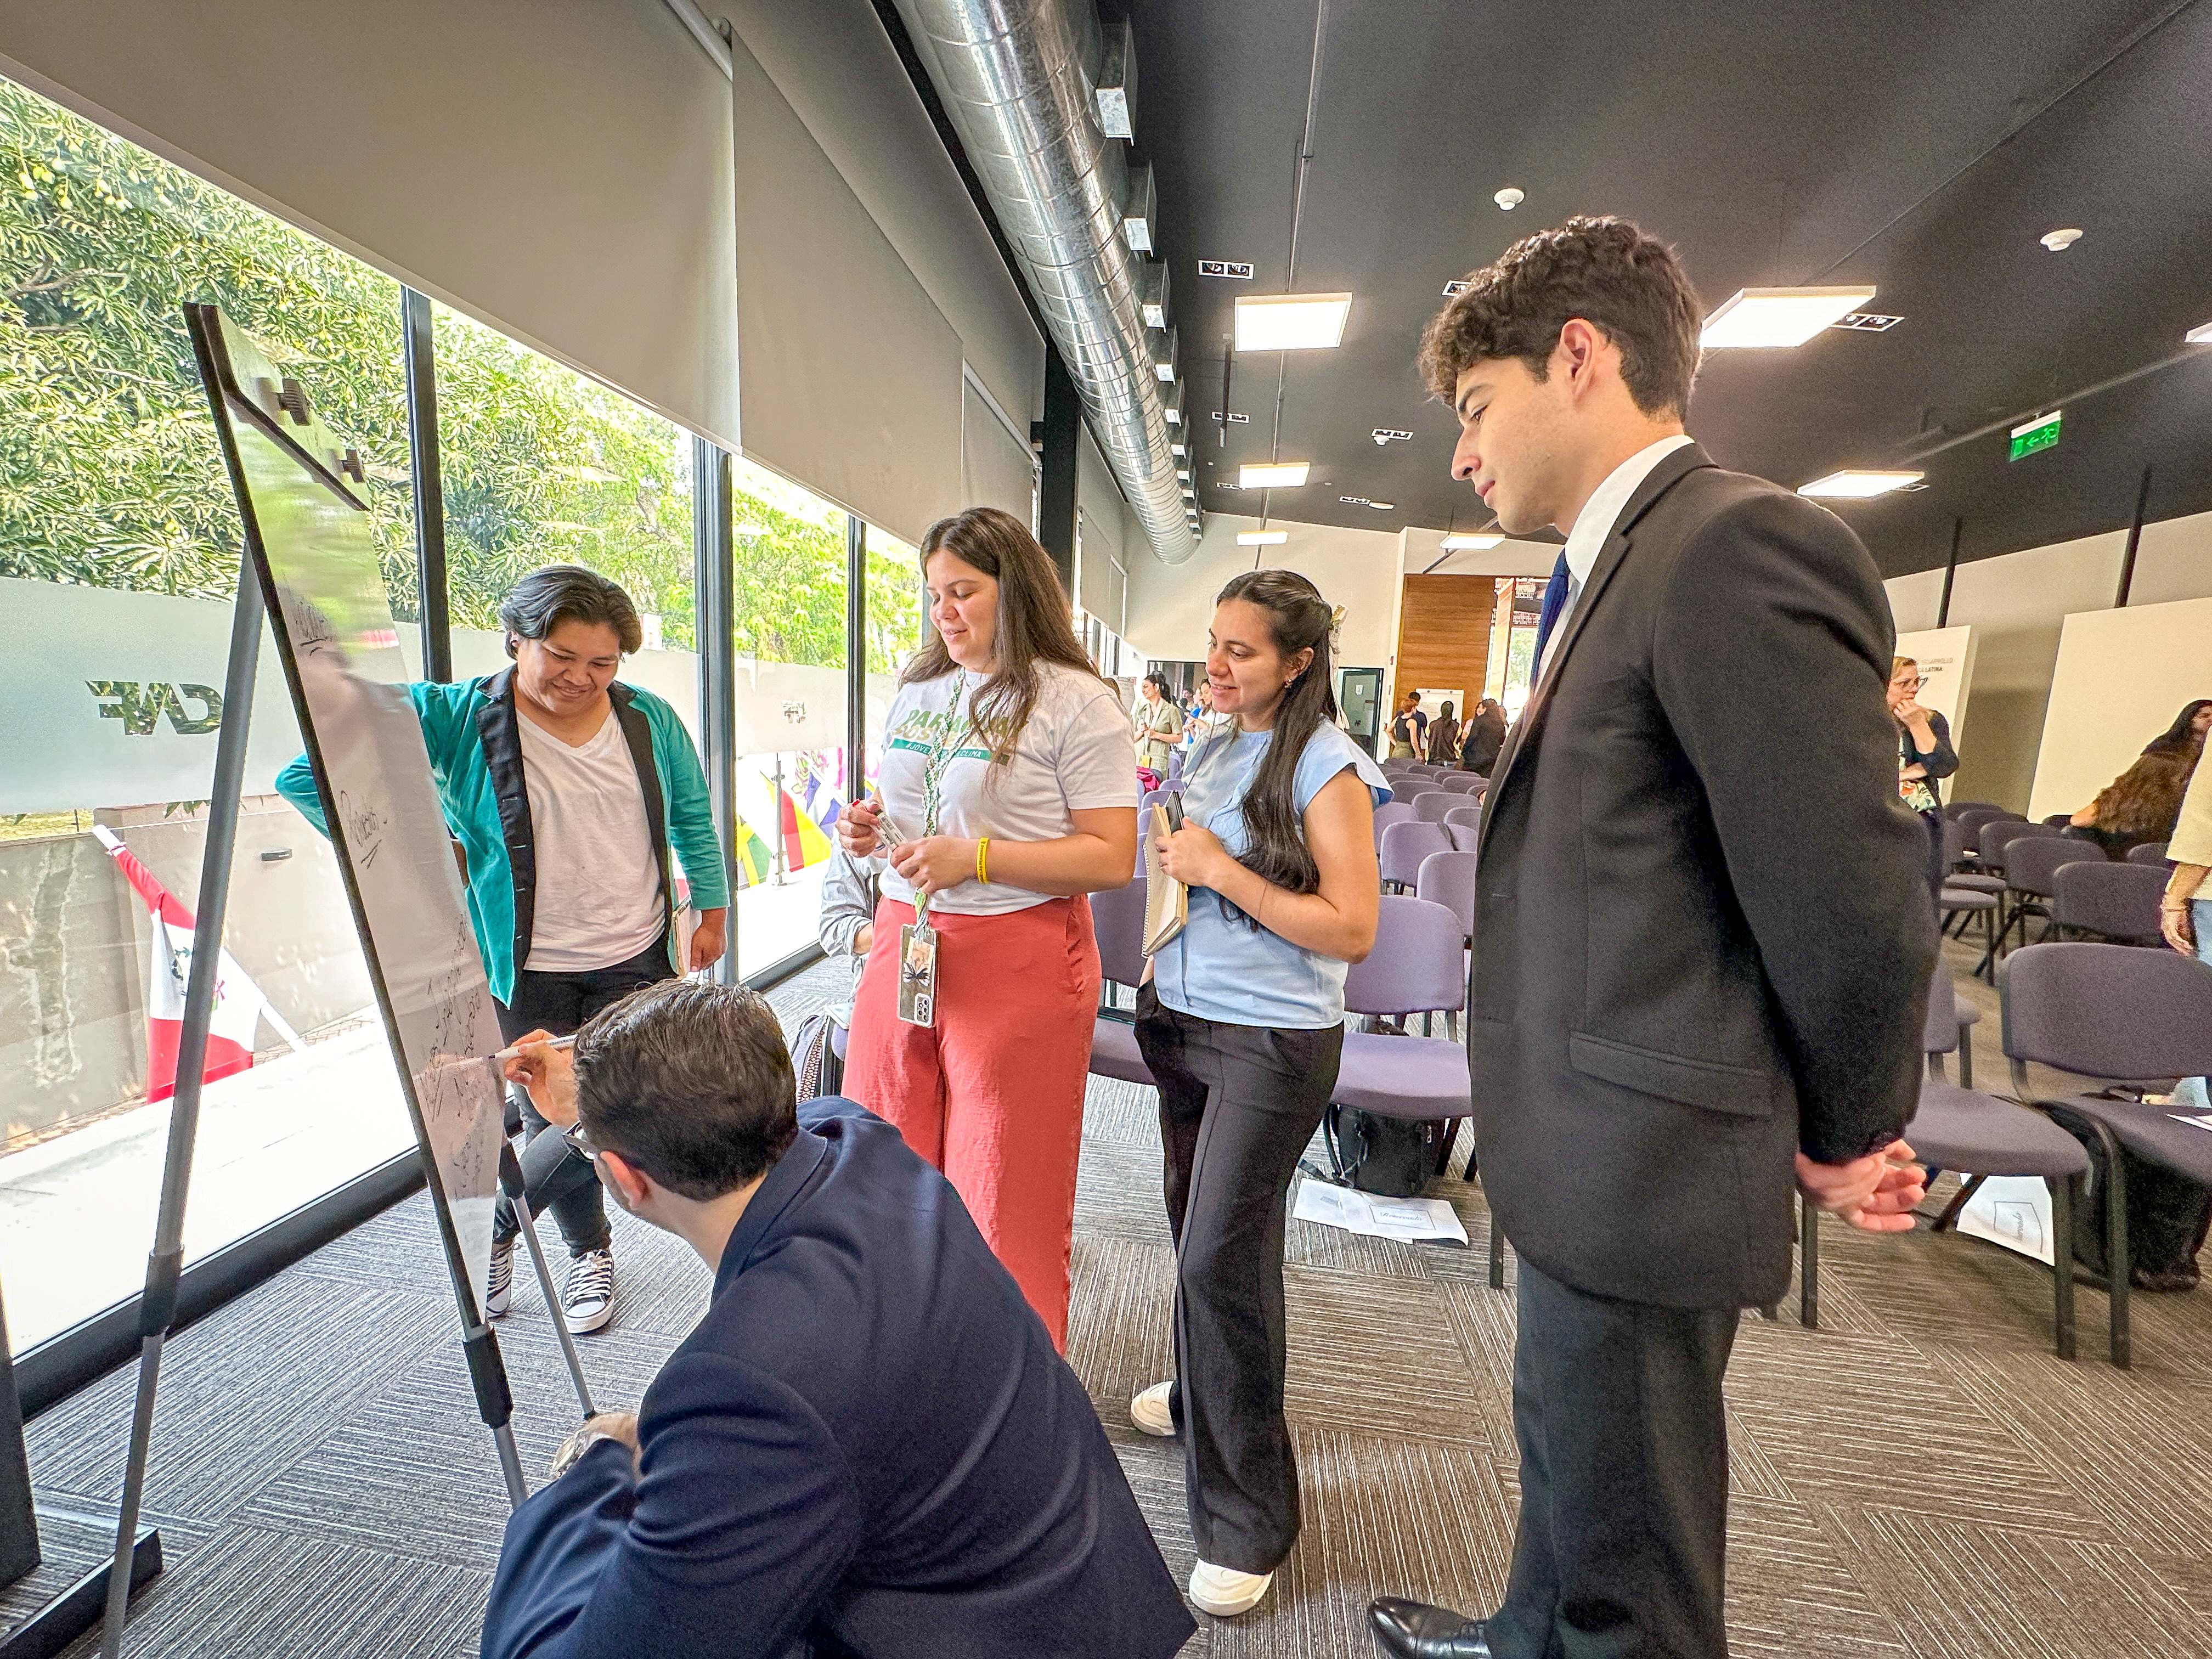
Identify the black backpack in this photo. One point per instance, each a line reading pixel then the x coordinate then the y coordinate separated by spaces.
pixel 1385 1155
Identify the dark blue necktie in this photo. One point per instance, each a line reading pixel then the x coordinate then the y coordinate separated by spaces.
pixel 1555 600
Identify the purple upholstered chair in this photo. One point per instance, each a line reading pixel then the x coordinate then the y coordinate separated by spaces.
pixel 1431 805
pixel 1418 966
pixel 2032 864
pixel 2114 901
pixel 1118 919
pixel 2114 1015
pixel 1404 844
pixel 1448 878
pixel 2150 852
pixel 1466 833
pixel 1464 783
pixel 1977 1136
pixel 1959 809
pixel 1391 812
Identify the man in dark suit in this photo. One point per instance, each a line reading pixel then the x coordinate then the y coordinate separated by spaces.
pixel 1702 936
pixel 868 1444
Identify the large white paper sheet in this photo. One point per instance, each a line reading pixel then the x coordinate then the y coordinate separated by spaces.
pixel 1407 1219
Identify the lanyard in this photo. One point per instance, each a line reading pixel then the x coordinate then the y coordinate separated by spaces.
pixel 941 755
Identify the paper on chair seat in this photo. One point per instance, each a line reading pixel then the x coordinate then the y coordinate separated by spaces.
pixel 1378 1217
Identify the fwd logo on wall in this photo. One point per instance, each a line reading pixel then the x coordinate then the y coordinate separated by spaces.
pixel 142 705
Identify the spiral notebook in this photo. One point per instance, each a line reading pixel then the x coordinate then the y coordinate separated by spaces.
pixel 1167 900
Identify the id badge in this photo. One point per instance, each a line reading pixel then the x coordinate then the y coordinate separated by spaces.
pixel 917 995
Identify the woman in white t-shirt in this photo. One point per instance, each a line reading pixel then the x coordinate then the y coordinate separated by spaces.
pixel 1008 789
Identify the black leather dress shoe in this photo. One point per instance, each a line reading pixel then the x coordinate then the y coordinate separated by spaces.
pixel 1414 1630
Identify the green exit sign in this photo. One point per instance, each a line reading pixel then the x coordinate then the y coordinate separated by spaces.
pixel 2041 433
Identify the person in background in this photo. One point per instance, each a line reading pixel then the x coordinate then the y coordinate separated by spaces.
pixel 1010 784
pixel 2187 733
pixel 1409 729
pixel 1158 722
pixel 2185 910
pixel 1485 736
pixel 1202 721
pixel 1241 1022
pixel 1923 755
pixel 867 1443
pixel 574 799
pixel 2142 802
pixel 1445 737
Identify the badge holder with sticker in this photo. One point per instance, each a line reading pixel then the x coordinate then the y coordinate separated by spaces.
pixel 917 986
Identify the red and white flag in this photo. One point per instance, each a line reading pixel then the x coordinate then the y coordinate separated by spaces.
pixel 239 1005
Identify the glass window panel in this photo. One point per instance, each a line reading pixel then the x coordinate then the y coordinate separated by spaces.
pixel 793 765
pixel 119 545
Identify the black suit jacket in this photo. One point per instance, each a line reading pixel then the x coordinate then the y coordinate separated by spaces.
pixel 1703 939
pixel 868 1441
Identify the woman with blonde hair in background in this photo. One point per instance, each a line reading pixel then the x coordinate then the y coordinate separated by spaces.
pixel 1008 791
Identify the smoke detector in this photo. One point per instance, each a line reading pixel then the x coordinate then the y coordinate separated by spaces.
pixel 2059 241
pixel 1509 198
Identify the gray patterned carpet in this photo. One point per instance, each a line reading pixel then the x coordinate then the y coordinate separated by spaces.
pixel 1919 1476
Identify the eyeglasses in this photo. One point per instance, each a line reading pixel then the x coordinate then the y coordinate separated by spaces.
pixel 574 1135
pixel 1907 685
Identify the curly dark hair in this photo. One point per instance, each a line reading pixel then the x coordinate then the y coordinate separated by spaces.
pixel 1605 270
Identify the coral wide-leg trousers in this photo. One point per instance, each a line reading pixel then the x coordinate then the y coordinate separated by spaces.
pixel 993 1093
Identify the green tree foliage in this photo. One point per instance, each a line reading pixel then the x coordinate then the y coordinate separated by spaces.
pixel 108 469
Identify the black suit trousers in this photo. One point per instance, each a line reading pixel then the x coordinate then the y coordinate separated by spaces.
pixel 1622 1540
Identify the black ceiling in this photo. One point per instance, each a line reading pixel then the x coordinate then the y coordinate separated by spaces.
pixel 1924 145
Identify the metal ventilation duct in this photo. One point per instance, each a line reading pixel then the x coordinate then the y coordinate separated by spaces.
pixel 1016 78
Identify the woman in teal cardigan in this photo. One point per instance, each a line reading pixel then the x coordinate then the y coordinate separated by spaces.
pixel 569 792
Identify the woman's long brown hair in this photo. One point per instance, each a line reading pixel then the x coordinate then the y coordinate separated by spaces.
pixel 2146 798
pixel 1034 624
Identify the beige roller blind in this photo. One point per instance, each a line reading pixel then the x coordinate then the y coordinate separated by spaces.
pixel 852 377
pixel 1099 499
pixel 561 169
pixel 996 470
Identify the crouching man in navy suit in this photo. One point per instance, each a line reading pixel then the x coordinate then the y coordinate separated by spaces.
pixel 869 1442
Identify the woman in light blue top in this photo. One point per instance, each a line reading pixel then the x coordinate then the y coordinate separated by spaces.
pixel 1243 1026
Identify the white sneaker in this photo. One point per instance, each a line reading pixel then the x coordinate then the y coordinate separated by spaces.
pixel 499 1289
pixel 1225 1592
pixel 587 1300
pixel 1151 1412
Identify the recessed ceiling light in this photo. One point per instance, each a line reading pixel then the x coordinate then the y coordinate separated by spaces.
pixel 1454 544
pixel 1175 447
pixel 1857 486
pixel 1779 316
pixel 1261 538
pixel 2059 241
pixel 2200 335
pixel 1291 322
pixel 1274 475
pixel 1384 506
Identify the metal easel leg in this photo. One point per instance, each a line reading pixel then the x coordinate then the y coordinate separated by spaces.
pixel 158 1306
pixel 510 1177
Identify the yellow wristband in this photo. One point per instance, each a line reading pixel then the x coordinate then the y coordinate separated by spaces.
pixel 983 857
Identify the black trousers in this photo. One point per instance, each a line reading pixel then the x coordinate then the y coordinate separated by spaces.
pixel 1621 1546
pixel 1238 1105
pixel 555 1176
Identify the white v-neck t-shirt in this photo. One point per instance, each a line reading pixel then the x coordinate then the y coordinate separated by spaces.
pixel 598 898
pixel 1076 753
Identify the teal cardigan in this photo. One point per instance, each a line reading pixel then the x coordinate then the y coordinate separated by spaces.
pixel 476 760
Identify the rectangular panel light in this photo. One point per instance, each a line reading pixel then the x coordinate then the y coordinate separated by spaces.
pixel 2200 335
pixel 1779 316
pixel 1454 544
pixel 1272 475
pixel 1857 486
pixel 1291 322
pixel 1262 537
